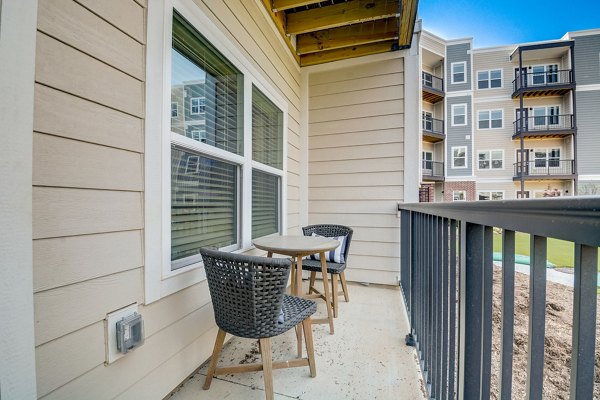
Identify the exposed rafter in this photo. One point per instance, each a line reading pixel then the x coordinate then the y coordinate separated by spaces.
pixel 282 5
pixel 407 21
pixel 346 52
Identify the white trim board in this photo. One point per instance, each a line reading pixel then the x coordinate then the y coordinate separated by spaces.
pixel 588 88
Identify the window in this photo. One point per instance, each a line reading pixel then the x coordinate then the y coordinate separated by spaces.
pixel 459 114
pixel 174 109
pixel 490 159
pixel 544 74
pixel 545 116
pixel 459 72
pixel 490 119
pixel 490 195
pixel 428 160
pixel 459 157
pixel 489 79
pixel 459 195
pixel 427 121
pixel 197 105
pixel 217 176
pixel 551 156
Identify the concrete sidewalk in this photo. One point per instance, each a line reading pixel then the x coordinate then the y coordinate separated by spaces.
pixel 366 358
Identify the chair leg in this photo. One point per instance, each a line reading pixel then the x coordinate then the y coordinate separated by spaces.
pixel 298 340
pixel 344 286
pixel 310 351
pixel 334 292
pixel 313 277
pixel 267 361
pixel 214 358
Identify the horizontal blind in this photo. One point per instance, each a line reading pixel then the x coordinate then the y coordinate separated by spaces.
pixel 267 131
pixel 203 204
pixel 265 204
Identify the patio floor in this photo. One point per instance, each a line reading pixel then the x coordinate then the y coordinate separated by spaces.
pixel 366 358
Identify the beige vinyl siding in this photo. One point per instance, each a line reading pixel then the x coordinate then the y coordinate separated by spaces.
pixel 494 60
pixel 88 196
pixel 431 43
pixel 356 161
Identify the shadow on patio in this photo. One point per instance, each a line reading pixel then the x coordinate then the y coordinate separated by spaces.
pixel 365 358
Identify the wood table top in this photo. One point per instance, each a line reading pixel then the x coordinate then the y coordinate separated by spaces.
pixel 296 245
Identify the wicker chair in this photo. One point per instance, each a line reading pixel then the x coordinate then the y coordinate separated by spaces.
pixel 248 298
pixel 334 269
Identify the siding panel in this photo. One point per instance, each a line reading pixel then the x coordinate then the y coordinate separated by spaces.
pixel 587 59
pixel 458 53
pixel 588 143
pixel 457 136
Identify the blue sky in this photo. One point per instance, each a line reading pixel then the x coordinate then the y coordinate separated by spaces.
pixel 502 22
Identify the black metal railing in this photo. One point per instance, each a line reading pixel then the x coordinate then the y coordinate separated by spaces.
pixel 527 80
pixel 433 125
pixel 432 82
pixel 434 169
pixel 544 123
pixel 446 278
pixel 544 167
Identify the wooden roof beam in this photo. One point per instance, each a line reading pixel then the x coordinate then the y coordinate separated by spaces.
pixel 354 35
pixel 346 52
pixel 407 22
pixel 351 12
pixel 281 5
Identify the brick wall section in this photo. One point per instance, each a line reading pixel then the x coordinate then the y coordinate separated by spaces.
pixel 467 186
pixel 431 189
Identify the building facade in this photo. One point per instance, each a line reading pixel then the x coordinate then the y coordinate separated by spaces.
pixel 509 122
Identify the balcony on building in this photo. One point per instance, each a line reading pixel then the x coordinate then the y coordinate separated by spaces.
pixel 433 88
pixel 433 129
pixel 535 78
pixel 543 169
pixel 433 171
pixel 544 126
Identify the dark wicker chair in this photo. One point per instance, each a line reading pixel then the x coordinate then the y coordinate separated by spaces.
pixel 334 269
pixel 248 296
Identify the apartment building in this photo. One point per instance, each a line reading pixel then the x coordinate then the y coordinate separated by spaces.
pixel 516 121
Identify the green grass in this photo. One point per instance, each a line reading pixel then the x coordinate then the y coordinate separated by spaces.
pixel 560 253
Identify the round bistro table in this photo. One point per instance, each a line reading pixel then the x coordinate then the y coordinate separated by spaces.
pixel 298 247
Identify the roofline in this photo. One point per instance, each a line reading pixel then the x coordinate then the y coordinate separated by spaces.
pixel 447 41
pixel 547 44
pixel 583 32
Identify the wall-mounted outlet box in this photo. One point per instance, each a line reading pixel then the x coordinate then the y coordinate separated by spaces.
pixel 110 331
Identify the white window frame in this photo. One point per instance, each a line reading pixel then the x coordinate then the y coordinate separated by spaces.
pixel 464 192
pixel 199 105
pixel 466 156
pixel 160 280
pixel 489 152
pixel 545 75
pixel 490 193
pixel 453 113
pixel 176 109
pixel 490 119
pixel 452 66
pixel 546 114
pixel 489 79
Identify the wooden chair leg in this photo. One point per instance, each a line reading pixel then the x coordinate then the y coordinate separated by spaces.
pixel 299 340
pixel 344 286
pixel 310 351
pixel 214 358
pixel 334 292
pixel 267 362
pixel 311 286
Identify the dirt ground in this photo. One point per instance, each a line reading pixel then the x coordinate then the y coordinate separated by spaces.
pixel 557 349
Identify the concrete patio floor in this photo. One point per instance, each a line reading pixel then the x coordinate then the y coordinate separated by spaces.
pixel 366 358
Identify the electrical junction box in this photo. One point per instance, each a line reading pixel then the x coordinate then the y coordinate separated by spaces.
pixel 130 335
pixel 130 332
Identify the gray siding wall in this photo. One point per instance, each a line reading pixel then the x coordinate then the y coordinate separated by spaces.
pixel 588 132
pixel 587 60
pixel 457 53
pixel 457 136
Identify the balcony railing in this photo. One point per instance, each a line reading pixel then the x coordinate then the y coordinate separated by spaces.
pixel 432 82
pixel 433 170
pixel 446 277
pixel 545 124
pixel 551 168
pixel 543 80
pixel 433 125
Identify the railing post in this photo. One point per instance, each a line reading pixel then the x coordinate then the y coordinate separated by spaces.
pixel 508 317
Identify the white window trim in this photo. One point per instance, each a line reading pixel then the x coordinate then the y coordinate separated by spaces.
pixel 490 111
pixel 489 80
pixel 452 65
pixel 176 109
pixel 490 153
pixel 192 105
pixel 160 281
pixel 490 192
pixel 558 68
pixel 459 191
pixel 452 107
pixel 452 156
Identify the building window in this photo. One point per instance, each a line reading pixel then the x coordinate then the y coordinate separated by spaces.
pixel 544 74
pixel 546 157
pixel 490 119
pixel 545 116
pixel 197 105
pixel 491 79
pixel 459 72
pixel 427 160
pixel 459 195
pixel 198 133
pixel 174 109
pixel 459 157
pixel 490 159
pixel 459 114
pixel 490 195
